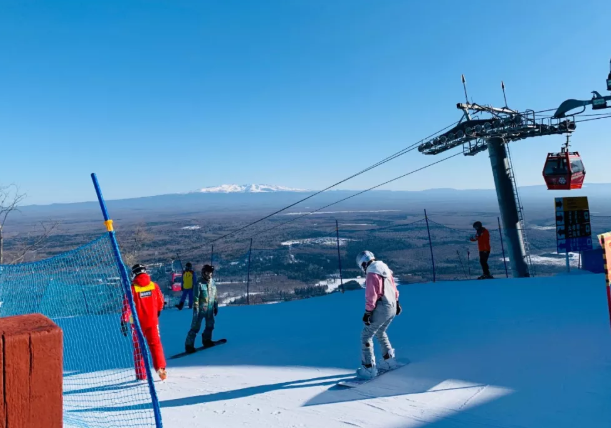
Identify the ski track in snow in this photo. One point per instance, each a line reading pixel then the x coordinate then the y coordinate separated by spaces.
pixel 528 353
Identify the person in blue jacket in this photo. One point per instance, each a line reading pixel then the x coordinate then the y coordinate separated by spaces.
pixel 187 282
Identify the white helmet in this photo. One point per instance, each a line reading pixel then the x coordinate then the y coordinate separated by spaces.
pixel 363 258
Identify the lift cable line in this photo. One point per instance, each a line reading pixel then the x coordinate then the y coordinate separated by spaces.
pixel 360 193
pixel 382 162
pixel 593 118
pixel 347 198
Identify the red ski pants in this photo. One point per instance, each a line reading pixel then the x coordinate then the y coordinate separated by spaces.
pixel 153 339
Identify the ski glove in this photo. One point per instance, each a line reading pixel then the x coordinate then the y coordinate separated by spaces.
pixel 367 317
pixel 399 309
pixel 124 328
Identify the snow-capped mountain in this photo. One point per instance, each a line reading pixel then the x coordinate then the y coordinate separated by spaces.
pixel 247 188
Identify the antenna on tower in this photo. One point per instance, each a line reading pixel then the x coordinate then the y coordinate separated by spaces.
pixel 464 85
pixel 504 95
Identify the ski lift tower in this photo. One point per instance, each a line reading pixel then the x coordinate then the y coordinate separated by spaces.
pixel 493 133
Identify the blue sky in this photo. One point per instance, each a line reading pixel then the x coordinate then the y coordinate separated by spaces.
pixel 169 96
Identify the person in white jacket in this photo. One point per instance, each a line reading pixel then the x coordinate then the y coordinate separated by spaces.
pixel 381 307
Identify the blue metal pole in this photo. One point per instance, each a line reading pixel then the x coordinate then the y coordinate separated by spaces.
pixel 430 243
pixel 128 292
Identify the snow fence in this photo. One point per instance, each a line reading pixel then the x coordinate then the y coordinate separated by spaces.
pixel 81 291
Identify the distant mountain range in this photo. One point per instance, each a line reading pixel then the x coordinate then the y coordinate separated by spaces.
pixel 262 199
pixel 247 188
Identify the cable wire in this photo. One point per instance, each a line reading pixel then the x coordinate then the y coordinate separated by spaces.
pixel 361 192
pixel 593 118
pixel 383 161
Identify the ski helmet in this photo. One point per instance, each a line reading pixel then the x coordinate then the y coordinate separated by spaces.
pixel 138 269
pixel 477 225
pixel 189 265
pixel 363 259
pixel 208 269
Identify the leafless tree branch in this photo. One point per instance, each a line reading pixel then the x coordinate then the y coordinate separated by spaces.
pixel 135 244
pixel 10 199
pixel 35 241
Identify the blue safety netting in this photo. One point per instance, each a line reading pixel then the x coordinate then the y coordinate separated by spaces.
pixel 82 292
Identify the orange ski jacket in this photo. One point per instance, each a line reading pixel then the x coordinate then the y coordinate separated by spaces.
pixel 483 240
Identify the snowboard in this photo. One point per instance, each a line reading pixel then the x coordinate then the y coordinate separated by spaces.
pixel 355 381
pixel 201 348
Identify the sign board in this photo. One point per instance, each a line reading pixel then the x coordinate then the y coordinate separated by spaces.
pixel 573 229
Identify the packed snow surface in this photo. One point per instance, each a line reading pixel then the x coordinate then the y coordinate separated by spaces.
pixel 527 353
pixel 247 188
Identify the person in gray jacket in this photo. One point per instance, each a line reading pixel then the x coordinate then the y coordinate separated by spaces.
pixel 205 307
pixel 381 307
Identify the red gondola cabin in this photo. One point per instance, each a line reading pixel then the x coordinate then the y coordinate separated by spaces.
pixel 564 171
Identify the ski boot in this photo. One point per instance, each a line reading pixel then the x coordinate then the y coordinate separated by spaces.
pixel 207 343
pixel 389 362
pixel 189 349
pixel 163 375
pixel 179 306
pixel 367 371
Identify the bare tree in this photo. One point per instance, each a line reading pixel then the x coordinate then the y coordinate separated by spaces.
pixel 135 244
pixel 34 241
pixel 10 199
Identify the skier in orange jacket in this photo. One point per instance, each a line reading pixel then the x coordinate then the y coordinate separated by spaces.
pixel 482 237
pixel 148 301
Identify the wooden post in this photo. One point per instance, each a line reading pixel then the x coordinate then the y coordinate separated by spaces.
pixel 31 356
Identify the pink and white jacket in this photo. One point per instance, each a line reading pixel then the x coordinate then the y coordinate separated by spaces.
pixel 380 285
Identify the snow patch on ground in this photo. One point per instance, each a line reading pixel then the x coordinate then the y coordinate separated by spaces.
pixel 327 241
pixel 334 283
pixel 554 260
pixel 191 228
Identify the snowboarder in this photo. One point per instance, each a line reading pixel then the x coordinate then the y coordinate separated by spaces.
pixel 188 279
pixel 482 237
pixel 381 307
pixel 148 301
pixel 205 306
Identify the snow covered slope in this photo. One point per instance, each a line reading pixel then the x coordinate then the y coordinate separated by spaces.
pixel 530 353
pixel 247 188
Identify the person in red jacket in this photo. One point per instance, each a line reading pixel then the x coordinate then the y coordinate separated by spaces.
pixel 148 301
pixel 482 237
